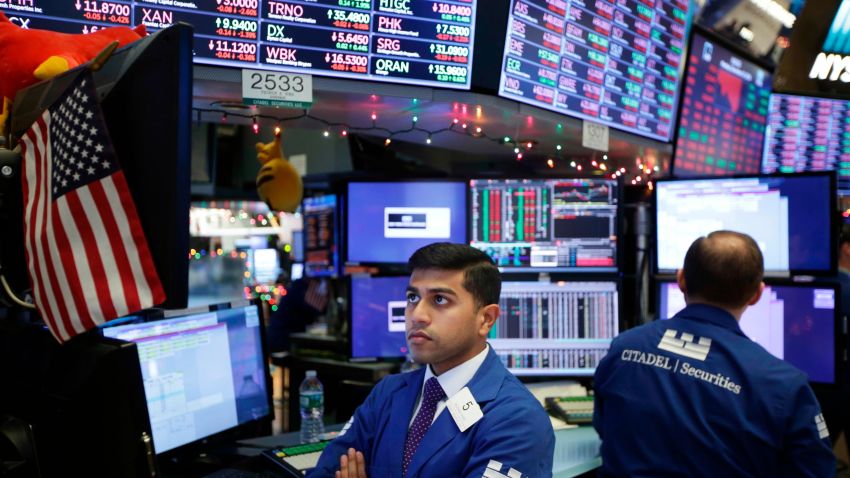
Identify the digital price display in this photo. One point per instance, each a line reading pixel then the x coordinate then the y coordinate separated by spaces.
pixel 808 134
pixel 419 42
pixel 618 63
pixel 724 113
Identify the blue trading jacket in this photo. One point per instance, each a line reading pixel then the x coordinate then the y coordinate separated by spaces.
pixel 694 397
pixel 514 435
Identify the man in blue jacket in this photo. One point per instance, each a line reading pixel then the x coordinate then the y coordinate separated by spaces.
pixel 694 397
pixel 464 414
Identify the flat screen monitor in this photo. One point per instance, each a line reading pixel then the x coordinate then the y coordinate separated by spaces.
pixel 297 271
pixel 402 41
pixel 559 328
pixel 723 115
pixel 789 216
pixel 546 224
pixel 321 236
pixel 615 63
pixel 798 323
pixel 205 373
pixel 805 133
pixel 265 265
pixel 389 221
pixel 377 316
pixel 82 404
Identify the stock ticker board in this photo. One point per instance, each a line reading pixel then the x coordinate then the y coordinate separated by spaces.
pixel 724 113
pixel 419 42
pixel 614 62
pixel 806 133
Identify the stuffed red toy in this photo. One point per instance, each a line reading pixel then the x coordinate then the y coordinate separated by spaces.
pixel 28 56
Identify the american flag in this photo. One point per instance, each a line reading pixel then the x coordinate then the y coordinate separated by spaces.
pixel 316 295
pixel 86 253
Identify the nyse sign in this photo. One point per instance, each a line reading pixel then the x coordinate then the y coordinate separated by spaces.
pixel 831 67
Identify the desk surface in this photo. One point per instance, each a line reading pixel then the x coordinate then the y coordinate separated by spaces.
pixel 576 449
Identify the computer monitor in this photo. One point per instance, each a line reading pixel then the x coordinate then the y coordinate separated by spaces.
pixel 81 405
pixel 321 236
pixel 205 374
pixel 615 63
pixel 723 112
pixel 297 271
pixel 799 323
pixel 546 224
pixel 389 221
pixel 791 217
pixel 805 133
pixel 265 265
pixel 557 329
pixel 377 316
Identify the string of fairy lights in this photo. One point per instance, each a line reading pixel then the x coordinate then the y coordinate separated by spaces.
pixel 522 148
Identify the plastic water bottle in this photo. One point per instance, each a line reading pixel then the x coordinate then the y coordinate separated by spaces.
pixel 312 401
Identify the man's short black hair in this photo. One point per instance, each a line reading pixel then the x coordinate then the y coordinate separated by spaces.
pixel 481 277
pixel 724 268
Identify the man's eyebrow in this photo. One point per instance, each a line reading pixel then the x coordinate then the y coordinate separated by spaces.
pixel 434 290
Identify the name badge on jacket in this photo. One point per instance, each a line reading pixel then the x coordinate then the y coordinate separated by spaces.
pixel 464 409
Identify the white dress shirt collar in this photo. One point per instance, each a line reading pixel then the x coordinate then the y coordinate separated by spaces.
pixel 455 379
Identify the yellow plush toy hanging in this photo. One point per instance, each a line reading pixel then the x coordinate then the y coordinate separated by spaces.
pixel 278 183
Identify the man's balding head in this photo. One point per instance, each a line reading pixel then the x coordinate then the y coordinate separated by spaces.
pixel 724 268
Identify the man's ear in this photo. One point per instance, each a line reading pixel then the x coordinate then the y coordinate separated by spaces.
pixel 487 316
pixel 680 279
pixel 756 298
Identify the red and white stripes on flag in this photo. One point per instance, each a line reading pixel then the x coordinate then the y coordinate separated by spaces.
pixel 86 253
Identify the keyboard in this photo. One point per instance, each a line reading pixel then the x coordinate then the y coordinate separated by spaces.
pixel 574 410
pixel 297 459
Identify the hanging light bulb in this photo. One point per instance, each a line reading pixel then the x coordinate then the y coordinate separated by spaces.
pixel 428 141
pixel 255 125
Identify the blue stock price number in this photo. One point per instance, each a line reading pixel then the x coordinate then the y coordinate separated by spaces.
pixel 277 81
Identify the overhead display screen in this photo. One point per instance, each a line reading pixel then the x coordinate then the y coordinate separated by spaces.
pixel 615 63
pixel 724 113
pixel 808 134
pixel 419 42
